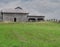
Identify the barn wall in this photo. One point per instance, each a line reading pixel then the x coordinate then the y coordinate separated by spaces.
pixel 19 17
pixel 1 17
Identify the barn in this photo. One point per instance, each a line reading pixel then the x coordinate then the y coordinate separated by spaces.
pixel 18 15
pixel 14 15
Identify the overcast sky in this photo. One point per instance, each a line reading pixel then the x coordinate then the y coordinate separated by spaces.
pixel 48 8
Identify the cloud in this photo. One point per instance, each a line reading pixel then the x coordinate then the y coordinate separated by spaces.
pixel 56 1
pixel 48 8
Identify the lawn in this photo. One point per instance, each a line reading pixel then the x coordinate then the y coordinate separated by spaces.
pixel 41 34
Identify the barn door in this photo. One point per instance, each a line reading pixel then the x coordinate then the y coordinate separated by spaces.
pixel 14 19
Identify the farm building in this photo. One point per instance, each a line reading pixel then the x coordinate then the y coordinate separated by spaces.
pixel 35 18
pixel 18 15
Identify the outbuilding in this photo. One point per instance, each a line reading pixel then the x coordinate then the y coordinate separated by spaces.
pixel 35 18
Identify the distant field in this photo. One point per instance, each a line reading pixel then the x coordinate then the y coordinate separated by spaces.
pixel 43 34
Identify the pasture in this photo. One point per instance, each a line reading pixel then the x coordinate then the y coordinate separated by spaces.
pixel 41 34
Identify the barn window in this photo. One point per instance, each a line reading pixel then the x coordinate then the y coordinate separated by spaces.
pixel 32 19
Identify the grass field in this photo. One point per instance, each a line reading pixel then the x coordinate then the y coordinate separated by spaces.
pixel 43 34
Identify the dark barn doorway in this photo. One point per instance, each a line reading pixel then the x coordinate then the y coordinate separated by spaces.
pixel 40 19
pixel 14 19
pixel 32 19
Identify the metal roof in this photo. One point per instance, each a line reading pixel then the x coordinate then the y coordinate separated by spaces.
pixel 36 16
pixel 15 10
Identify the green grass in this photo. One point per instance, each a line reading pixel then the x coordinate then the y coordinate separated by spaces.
pixel 43 34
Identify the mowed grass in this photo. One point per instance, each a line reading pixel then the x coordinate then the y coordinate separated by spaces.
pixel 43 34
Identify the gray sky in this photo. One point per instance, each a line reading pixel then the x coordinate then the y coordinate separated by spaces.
pixel 48 8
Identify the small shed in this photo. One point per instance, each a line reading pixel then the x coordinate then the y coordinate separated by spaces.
pixel 35 18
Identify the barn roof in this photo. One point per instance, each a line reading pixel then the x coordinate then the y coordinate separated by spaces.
pixel 36 16
pixel 15 10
